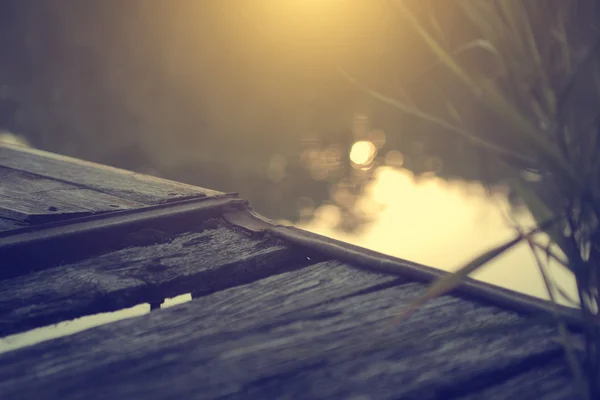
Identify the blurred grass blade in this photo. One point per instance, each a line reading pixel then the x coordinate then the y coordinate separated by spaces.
pixel 540 212
pixel 443 56
pixel 551 255
pixel 486 18
pixel 520 22
pixel 497 102
pixel 565 339
pixel 501 152
pixel 478 44
pixel 567 90
pixel 452 280
pixel 567 297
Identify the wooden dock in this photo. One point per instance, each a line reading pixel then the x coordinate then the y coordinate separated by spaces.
pixel 277 312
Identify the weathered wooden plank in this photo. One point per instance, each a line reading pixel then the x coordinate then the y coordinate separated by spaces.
pixel 33 199
pixel 548 382
pixel 216 258
pixel 34 249
pixel 320 332
pixel 411 271
pixel 114 181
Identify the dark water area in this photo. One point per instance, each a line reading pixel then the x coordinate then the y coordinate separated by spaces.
pixel 234 96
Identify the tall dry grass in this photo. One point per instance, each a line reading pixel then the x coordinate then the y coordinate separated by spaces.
pixel 541 91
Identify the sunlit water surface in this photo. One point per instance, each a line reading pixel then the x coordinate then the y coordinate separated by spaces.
pixel 443 225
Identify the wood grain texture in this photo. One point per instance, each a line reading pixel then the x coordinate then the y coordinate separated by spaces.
pixel 411 271
pixel 64 242
pixel 201 263
pixel 317 333
pixel 32 199
pixel 113 181
pixel 546 383
pixel 7 224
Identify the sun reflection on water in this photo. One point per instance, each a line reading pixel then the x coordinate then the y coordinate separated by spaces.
pixel 441 224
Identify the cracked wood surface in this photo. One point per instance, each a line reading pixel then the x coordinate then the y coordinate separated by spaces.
pixel 318 332
pixel 31 199
pixel 117 182
pixel 38 187
pixel 214 258
pixel 39 248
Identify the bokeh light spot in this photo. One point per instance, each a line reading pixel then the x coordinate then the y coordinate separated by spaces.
pixel 394 159
pixel 363 152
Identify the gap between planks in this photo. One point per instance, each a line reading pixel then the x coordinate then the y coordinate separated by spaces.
pixel 318 332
